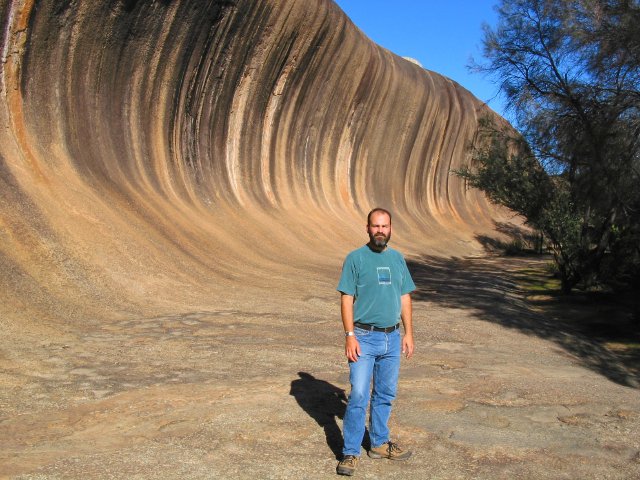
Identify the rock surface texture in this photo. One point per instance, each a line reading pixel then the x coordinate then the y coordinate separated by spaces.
pixel 154 149
pixel 179 183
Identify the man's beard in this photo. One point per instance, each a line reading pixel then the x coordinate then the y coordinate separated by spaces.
pixel 380 240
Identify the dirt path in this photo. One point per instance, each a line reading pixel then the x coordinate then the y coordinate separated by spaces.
pixel 495 391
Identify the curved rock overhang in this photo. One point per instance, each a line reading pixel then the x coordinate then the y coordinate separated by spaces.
pixel 156 153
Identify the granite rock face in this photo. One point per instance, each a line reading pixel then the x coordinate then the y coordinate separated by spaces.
pixel 179 183
pixel 156 153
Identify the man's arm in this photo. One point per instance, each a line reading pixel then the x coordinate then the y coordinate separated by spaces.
pixel 352 347
pixel 406 313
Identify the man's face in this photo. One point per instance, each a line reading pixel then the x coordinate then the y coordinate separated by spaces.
pixel 379 229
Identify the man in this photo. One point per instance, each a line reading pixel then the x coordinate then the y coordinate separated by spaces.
pixel 375 289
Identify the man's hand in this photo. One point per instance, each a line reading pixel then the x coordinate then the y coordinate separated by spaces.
pixel 352 349
pixel 407 345
pixel 407 322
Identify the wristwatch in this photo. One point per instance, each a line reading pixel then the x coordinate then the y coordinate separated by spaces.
pixel 349 334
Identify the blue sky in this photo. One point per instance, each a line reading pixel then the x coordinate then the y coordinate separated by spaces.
pixel 442 35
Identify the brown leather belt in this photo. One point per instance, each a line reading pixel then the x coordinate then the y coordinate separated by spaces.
pixel 371 328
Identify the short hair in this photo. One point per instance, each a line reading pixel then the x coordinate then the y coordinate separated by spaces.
pixel 378 210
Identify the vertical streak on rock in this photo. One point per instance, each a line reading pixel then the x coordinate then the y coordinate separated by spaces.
pixel 16 37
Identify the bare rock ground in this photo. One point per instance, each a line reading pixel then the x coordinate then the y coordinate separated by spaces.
pixel 496 390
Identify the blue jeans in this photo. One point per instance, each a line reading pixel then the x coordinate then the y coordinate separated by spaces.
pixel 380 359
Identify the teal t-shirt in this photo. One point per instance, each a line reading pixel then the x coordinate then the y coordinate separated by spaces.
pixel 377 280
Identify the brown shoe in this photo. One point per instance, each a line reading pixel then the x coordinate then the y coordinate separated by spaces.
pixel 389 450
pixel 347 465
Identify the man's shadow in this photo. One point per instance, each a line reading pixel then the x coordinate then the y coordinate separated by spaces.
pixel 325 403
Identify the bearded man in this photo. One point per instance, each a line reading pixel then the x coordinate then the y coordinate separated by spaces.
pixel 375 288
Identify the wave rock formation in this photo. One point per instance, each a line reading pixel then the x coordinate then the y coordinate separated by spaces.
pixel 158 155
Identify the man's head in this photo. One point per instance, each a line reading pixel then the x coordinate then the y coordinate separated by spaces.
pixel 379 228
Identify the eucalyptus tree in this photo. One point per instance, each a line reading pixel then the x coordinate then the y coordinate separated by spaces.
pixel 569 71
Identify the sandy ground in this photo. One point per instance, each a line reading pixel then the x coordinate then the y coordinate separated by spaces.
pixel 495 391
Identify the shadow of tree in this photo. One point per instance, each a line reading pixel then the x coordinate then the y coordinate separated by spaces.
pixel 325 403
pixel 512 236
pixel 489 287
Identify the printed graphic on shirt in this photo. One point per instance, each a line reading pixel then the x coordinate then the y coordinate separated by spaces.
pixel 384 276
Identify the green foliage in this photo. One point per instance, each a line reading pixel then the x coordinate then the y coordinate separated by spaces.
pixel 515 180
pixel 570 71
